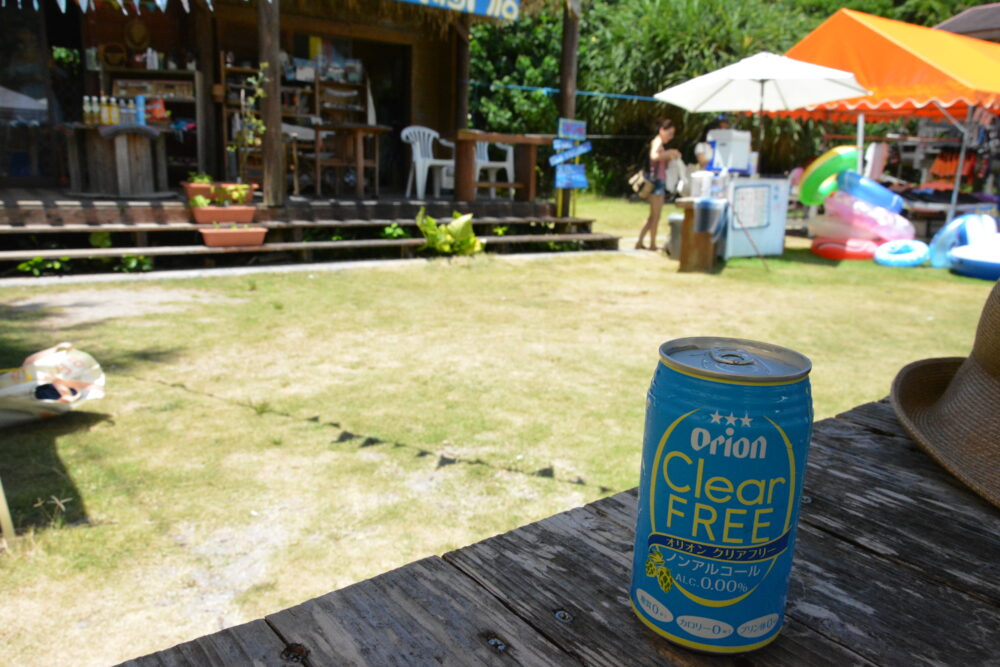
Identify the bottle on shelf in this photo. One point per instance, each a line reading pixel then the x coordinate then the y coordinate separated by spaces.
pixel 140 109
pixel 114 111
pixel 123 112
pixel 86 109
pixel 102 111
pixel 131 116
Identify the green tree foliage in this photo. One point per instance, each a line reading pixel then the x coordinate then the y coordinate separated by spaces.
pixel 639 47
pixel 526 53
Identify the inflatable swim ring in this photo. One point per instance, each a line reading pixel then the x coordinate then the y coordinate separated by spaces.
pixel 863 215
pixel 968 229
pixel 819 178
pixel 875 194
pixel 981 260
pixel 843 248
pixel 902 252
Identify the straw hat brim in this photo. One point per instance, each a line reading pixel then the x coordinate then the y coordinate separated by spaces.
pixel 951 408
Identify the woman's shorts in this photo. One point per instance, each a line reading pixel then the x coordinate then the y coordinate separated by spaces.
pixel 659 187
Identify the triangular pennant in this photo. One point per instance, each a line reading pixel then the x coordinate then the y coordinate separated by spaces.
pixel 62 5
pixel 187 7
pixel 138 9
pixel 162 4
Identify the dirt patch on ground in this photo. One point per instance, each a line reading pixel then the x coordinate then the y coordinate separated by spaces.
pixel 66 309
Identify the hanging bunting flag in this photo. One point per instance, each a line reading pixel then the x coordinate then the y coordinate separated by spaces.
pixel 162 4
pixel 62 5
pixel 497 9
pixel 187 7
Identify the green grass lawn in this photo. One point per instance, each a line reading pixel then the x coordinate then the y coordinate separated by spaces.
pixel 275 437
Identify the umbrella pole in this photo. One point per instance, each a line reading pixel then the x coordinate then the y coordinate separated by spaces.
pixel 964 129
pixel 760 127
pixel 861 143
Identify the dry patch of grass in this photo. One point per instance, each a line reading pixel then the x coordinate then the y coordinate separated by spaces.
pixel 284 435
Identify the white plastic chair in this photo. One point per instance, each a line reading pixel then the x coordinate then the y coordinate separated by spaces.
pixel 492 167
pixel 421 140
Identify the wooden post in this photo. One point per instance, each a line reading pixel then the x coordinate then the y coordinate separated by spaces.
pixel 268 33
pixel 462 72
pixel 567 78
pixel 697 249
pixel 465 167
pixel 6 523
pixel 204 37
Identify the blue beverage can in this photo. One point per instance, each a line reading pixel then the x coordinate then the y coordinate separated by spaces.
pixel 728 423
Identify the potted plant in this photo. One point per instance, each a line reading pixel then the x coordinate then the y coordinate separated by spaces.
pixel 217 236
pixel 228 205
pixel 197 184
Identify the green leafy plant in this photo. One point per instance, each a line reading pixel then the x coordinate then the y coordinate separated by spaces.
pixel 394 231
pixel 236 193
pixel 199 177
pixel 500 230
pixel 251 126
pixel 199 201
pixel 134 264
pixel 451 238
pixel 37 266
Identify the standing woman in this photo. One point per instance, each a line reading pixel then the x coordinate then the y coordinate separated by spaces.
pixel 660 158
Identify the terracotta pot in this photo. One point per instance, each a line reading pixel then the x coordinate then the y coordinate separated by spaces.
pixel 192 189
pixel 220 237
pixel 223 214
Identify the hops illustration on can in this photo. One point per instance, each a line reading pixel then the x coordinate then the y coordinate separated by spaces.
pixel 727 433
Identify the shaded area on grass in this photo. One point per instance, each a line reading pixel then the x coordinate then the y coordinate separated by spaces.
pixel 40 492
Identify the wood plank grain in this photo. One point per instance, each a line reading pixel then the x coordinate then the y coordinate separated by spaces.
pixel 426 613
pixel 877 416
pixel 890 614
pixel 568 576
pixel 252 643
pixel 885 494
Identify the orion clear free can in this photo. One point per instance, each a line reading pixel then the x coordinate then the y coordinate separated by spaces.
pixel 724 455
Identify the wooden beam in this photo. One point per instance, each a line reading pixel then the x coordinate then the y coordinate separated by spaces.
pixel 269 37
pixel 204 37
pixel 567 64
pixel 461 31
pixel 567 79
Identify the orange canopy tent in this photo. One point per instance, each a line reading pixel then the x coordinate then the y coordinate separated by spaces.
pixel 911 70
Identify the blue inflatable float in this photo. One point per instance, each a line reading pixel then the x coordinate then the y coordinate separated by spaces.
pixel 864 188
pixel 902 252
pixel 981 260
pixel 969 229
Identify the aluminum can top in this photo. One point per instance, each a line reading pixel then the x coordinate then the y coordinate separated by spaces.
pixel 735 359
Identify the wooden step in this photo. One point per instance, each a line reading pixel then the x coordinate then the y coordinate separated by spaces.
pixel 603 240
pixel 490 184
pixel 77 228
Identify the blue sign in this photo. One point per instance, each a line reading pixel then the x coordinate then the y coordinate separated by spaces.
pixel 497 9
pixel 572 129
pixel 566 156
pixel 563 144
pixel 571 177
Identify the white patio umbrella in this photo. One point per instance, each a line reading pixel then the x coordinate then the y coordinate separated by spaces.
pixel 763 82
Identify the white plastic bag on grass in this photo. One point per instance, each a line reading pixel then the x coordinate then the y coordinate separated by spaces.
pixel 49 383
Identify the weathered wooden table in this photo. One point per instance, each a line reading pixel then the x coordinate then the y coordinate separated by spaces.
pixel 896 564
pixel 525 157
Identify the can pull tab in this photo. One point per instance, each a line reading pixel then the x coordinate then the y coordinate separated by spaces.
pixel 731 356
